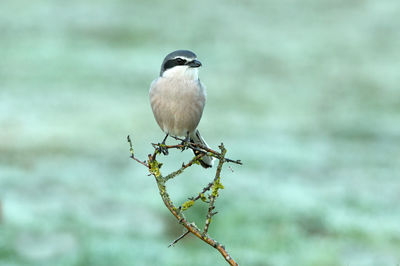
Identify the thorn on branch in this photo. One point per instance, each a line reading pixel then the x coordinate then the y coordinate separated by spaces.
pixel 179 238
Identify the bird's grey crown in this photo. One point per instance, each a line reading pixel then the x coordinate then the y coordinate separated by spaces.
pixel 180 53
pixel 176 54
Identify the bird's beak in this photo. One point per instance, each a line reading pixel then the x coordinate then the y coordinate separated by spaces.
pixel 194 63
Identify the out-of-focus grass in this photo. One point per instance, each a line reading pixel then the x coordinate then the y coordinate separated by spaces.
pixel 305 93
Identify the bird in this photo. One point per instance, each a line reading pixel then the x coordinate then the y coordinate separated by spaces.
pixel 178 97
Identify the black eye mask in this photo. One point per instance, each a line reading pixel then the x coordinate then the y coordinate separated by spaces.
pixel 174 62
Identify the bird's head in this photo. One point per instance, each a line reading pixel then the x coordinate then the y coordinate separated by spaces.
pixel 180 64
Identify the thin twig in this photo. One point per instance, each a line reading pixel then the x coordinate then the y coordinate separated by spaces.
pixel 132 153
pixel 201 194
pixel 179 238
pixel 184 166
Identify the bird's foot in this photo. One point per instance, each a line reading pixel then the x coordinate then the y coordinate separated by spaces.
pixel 186 142
pixel 161 146
pixel 162 149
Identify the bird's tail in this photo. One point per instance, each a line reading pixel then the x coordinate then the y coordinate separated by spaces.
pixel 206 161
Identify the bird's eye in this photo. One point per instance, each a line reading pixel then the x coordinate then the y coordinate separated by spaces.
pixel 180 61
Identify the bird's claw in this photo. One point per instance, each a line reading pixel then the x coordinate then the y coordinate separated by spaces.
pixel 185 143
pixel 162 149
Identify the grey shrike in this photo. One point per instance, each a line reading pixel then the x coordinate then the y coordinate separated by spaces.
pixel 177 98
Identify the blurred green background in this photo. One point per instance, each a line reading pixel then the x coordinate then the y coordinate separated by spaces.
pixel 306 93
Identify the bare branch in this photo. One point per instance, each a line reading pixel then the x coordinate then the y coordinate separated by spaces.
pixel 154 169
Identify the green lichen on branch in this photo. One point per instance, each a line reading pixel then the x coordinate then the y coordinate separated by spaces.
pixel 203 197
pixel 216 186
pixel 187 205
pixel 154 168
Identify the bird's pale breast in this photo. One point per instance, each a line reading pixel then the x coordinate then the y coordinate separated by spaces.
pixel 177 104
